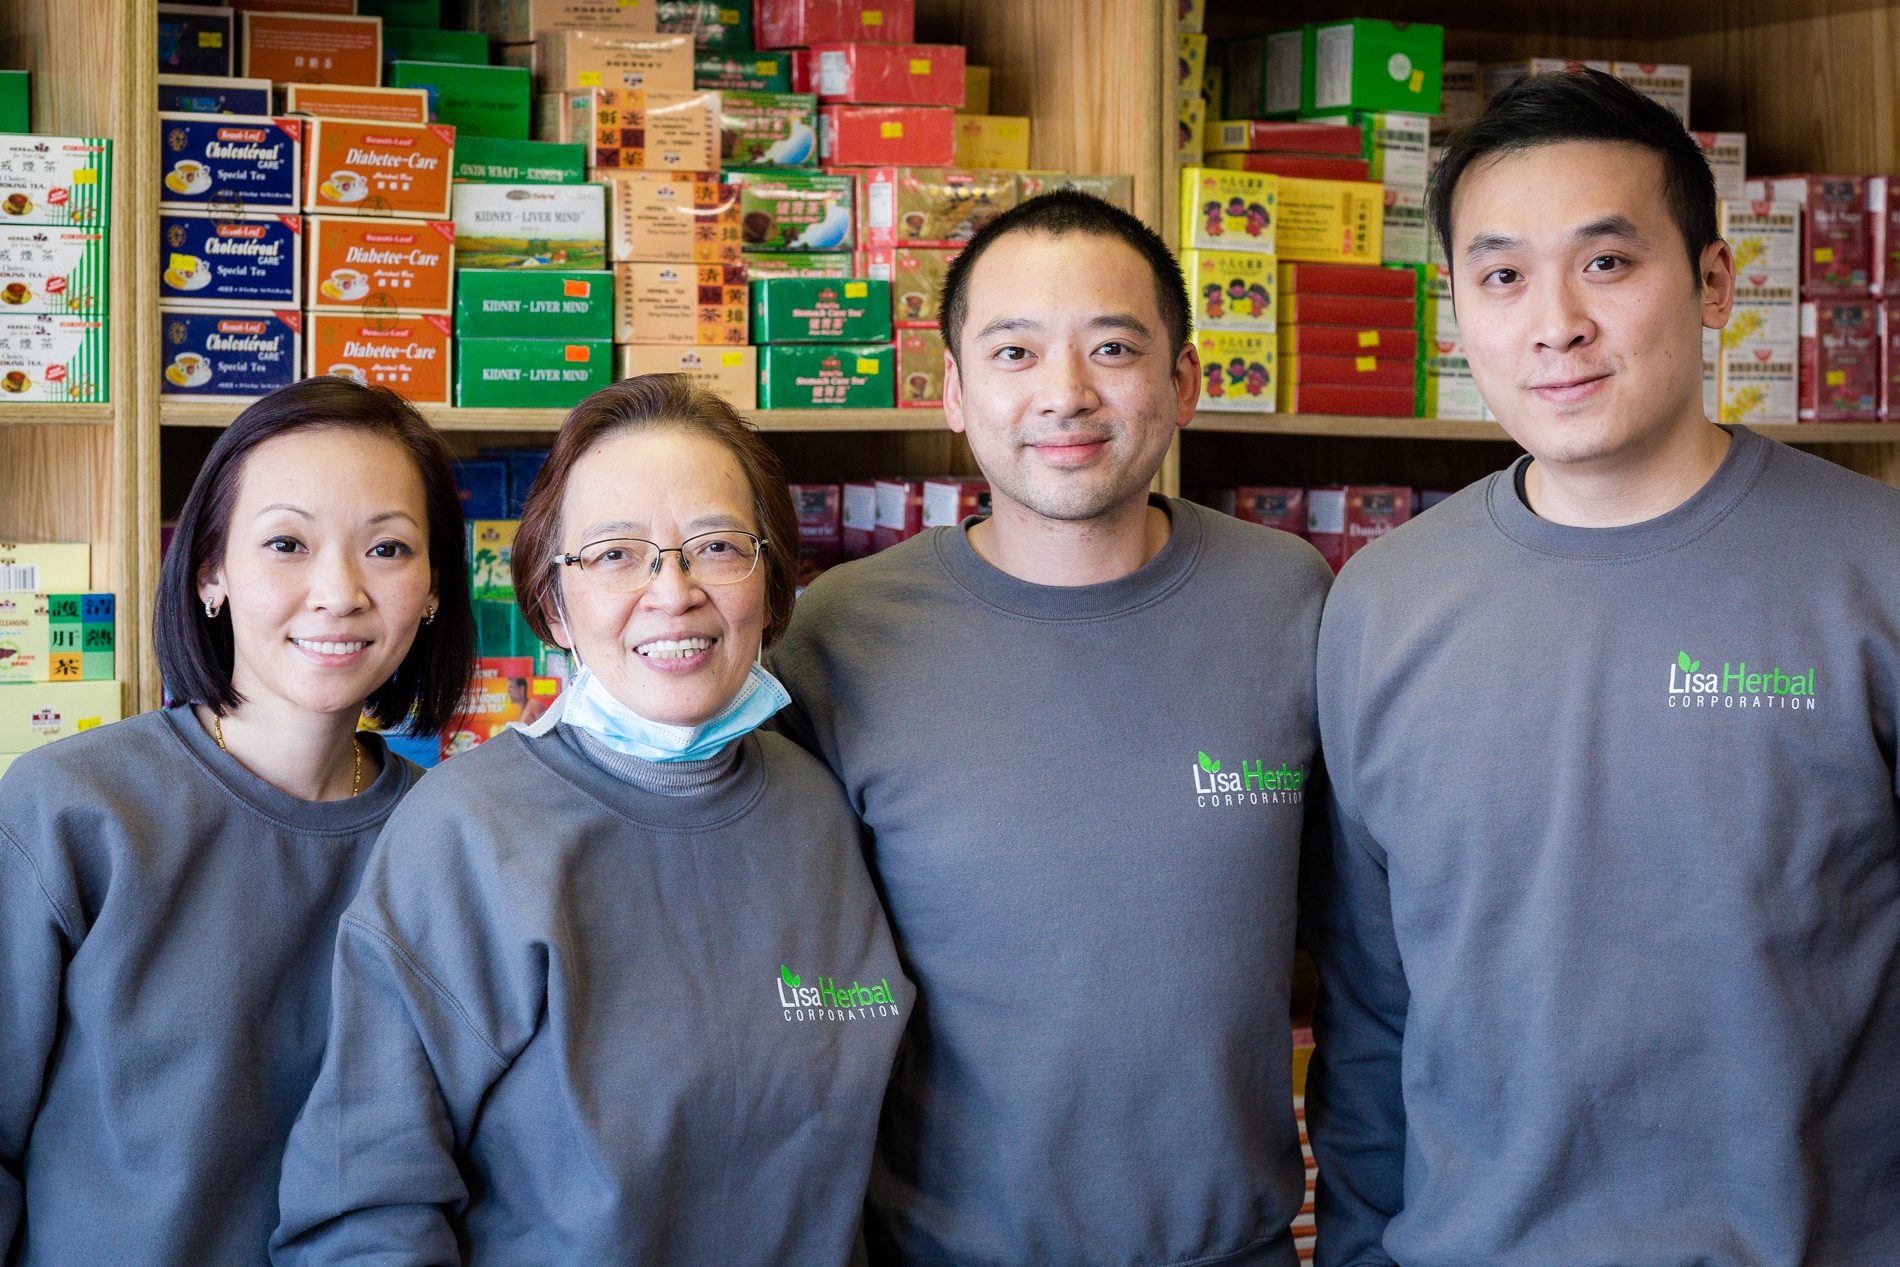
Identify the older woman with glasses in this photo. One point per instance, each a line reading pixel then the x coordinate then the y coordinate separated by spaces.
pixel 616 987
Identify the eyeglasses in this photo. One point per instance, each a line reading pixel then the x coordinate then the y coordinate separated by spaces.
pixel 626 565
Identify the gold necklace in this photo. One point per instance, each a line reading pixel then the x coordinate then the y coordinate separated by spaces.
pixel 356 782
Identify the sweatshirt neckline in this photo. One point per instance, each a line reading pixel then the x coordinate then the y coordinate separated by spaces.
pixel 1153 580
pixel 730 797
pixel 352 814
pixel 1740 469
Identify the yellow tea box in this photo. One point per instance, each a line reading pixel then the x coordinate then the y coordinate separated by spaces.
pixel 1190 65
pixel 1231 290
pixel 993 140
pixel 729 372
pixel 681 303
pixel 1190 135
pixel 976 90
pixel 919 369
pixel 36 713
pixel 1230 211
pixel 1765 238
pixel 1331 221
pixel 570 61
pixel 672 217
pixel 1239 370
pixel 45 566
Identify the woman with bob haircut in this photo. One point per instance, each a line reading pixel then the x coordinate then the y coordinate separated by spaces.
pixel 616 987
pixel 170 885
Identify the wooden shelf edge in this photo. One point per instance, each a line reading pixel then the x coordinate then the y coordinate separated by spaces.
pixel 202 413
pixel 1457 429
pixel 39 413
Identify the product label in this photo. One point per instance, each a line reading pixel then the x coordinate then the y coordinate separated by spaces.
pixel 229 355
pixel 389 169
pixel 408 355
pixel 530 226
pixel 230 163
pixel 364 263
pixel 52 270
pixel 229 261
pixel 49 358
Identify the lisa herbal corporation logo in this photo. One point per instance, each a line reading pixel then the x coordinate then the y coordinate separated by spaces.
pixel 1692 685
pixel 1254 783
pixel 826 1000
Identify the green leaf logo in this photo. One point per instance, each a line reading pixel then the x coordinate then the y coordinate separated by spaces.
pixel 1684 663
pixel 1209 764
pixel 791 978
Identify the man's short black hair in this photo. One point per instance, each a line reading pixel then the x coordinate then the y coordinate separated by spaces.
pixel 195 651
pixel 1069 211
pixel 1583 105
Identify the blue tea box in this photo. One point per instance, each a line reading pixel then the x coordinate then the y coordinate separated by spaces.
pixel 482 484
pixel 194 40
pixel 231 163
pixel 213 94
pixel 216 261
pixel 233 355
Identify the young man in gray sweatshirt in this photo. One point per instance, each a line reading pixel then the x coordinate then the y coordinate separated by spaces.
pixel 1609 927
pixel 1081 733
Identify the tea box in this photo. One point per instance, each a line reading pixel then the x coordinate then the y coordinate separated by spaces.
pixel 1837 242
pixel 1727 153
pixel 486 101
pixel 794 211
pixel 45 565
pixel 193 40
pixel 232 163
pixel 717 26
pixel 821 310
pixel 570 61
pixel 1264 76
pixel 919 369
pixel 768 129
pixel 803 23
pixel 682 217
pixel 1337 139
pixel 530 226
pixel 1229 211
pixel 1230 290
pixel 1666 85
pixel 361 264
pixel 530 373
pixel 732 373
pixel 229 355
pixel 874 136
pixel 1002 140
pixel 943 207
pixel 353 101
pixel 800 264
pixel 1238 370
pixel 633 128
pixel 242 261
pixel 500 303
pixel 680 303
pixel 518 21
pixel 826 375
pixel 52 270
pixel 899 515
pixel 882 74
pixel 36 713
pixel 494 160
pixel 949 501
pixel 210 94
pixel 1282 508
pixel 419 44
pixel 916 275
pixel 386 169
pixel 408 355
pixel 1840 361
pixel 820 527
pixel 747 72
pixel 56 637
pixel 1343 520
pixel 1369 64
pixel 289 48
pixel 1330 221
pixel 53 358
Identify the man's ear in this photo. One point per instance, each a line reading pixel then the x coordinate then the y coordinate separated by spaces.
pixel 1716 278
pixel 952 393
pixel 1187 383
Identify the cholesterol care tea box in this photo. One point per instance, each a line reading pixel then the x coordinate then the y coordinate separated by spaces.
pixel 230 162
pixel 732 373
pixel 44 268
pixel 881 74
pixel 354 167
pixel 503 303
pixel 208 260
pixel 680 303
pixel 535 372
pixel 53 358
pixel 794 211
pixel 360 263
pixel 826 376
pixel 1229 211
pixel 1230 290
pixel 530 226
pixel 633 127
pixel 408 355
pixel 1840 361
pixel 820 310
pixel 56 637
pixel 230 355
pixel 1238 369
pixel 682 217
pixel 931 206
pixel 288 48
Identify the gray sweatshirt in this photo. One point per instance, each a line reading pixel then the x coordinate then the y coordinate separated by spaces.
pixel 167 921
pixel 1086 806
pixel 1610 927
pixel 583 1021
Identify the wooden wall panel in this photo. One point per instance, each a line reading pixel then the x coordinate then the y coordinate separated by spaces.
pixel 56 484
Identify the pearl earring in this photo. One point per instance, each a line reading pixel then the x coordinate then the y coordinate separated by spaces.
pixel 211 610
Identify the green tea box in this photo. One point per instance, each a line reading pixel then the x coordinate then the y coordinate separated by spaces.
pixel 411 13
pixel 783 210
pixel 1370 64
pixel 768 129
pixel 13 101
pixel 504 161
pixel 504 303
pixel 749 72
pixel 797 264
pixel 531 373
pixel 530 226
pixel 827 376
pixel 717 26
pixel 423 44
pixel 45 269
pixel 821 310
pixel 474 100
pixel 53 358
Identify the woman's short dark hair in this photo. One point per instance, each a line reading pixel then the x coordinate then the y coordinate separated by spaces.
pixel 655 402
pixel 1583 105
pixel 195 653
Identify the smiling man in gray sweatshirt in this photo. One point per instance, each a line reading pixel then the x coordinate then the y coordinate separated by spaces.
pixel 1080 733
pixel 1609 928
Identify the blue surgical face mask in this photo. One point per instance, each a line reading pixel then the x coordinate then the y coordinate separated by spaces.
pixel 590 706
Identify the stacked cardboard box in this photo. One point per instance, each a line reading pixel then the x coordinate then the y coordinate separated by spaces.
pixel 55 212
pixel 1760 346
pixel 824 343
pixel 1348 339
pixel 57 658
pixel 1446 388
pixel 1229 229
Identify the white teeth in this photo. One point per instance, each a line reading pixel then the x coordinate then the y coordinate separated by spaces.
pixel 668 649
pixel 330 648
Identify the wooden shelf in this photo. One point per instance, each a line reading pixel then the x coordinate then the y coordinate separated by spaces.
pixel 211 413
pixel 1454 429
pixel 38 413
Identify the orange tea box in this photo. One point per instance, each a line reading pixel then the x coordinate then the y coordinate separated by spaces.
pixel 379 169
pixel 352 101
pixel 681 303
pixel 312 48
pixel 375 264
pixel 568 61
pixel 407 354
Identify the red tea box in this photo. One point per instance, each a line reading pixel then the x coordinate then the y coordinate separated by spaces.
pixel 1840 361
pixel 1229 136
pixel 881 74
pixel 951 500
pixel 1837 247
pixel 1883 228
pixel 820 509
pixel 1336 398
pixel 1342 521
pixel 900 512
pixel 1365 370
pixel 857 518
pixel 876 136
pixel 1282 508
pixel 1345 310
pixel 803 23
pixel 1348 341
pixel 1302 166
pixel 1348 279
pixel 1890 362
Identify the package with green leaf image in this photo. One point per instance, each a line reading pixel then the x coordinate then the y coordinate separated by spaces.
pixel 827 376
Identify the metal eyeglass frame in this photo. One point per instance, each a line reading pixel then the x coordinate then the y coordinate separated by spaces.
pixel 659 558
